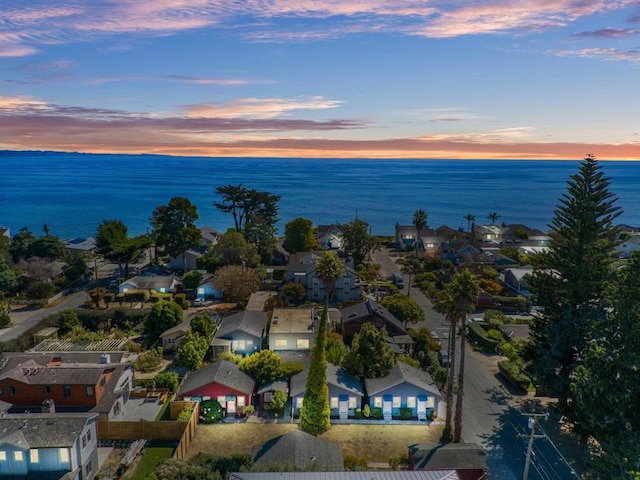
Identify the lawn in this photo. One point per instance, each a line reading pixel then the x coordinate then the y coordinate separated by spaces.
pixel 375 443
pixel 154 453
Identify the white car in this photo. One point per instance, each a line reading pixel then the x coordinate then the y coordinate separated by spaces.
pixel 198 302
pixel 475 319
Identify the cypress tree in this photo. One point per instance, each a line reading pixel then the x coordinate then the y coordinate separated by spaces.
pixel 569 280
pixel 315 413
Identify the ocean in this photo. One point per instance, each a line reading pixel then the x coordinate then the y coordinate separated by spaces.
pixel 72 193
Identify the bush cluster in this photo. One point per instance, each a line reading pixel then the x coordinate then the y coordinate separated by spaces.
pixel 514 375
pixel 478 334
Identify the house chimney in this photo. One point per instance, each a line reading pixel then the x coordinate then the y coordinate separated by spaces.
pixel 105 359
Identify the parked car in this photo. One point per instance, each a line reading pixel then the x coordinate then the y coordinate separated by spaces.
pixel 475 319
pixel 199 302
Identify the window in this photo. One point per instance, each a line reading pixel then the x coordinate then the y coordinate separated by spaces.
pixel 237 345
pixel 84 441
pixel 90 391
pixel 47 389
pixel 377 402
pixel 396 402
pixel 88 435
pixel 88 468
pixel 411 402
pixel 353 402
pixel 299 402
pixel 33 456
pixel 103 381
pixel 267 396
pixel 17 456
pixel 171 341
pixel 431 402
pixel 334 402
pixel 241 401
pixel 3 456
pixel 281 343
pixel 66 389
pixel 12 390
pixel 222 400
pixel 302 343
pixel 249 343
pixel 64 455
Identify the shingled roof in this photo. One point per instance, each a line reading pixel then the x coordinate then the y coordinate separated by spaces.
pixel 458 456
pixel 336 376
pixel 250 322
pixel 221 372
pixel 44 430
pixel 300 450
pixel 402 373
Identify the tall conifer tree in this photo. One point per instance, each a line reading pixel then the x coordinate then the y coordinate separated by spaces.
pixel 315 413
pixel 570 279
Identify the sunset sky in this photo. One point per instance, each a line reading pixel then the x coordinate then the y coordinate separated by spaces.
pixel 326 78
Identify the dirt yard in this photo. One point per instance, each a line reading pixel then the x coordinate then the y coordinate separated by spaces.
pixel 375 443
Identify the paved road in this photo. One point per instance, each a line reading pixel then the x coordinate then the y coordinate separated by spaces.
pixel 491 414
pixel 23 320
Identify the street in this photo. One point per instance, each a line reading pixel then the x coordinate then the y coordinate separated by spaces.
pixel 492 415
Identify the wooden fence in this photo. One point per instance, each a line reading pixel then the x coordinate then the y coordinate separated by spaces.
pixel 179 431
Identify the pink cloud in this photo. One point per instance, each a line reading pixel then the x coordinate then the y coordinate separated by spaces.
pixel 604 53
pixel 258 107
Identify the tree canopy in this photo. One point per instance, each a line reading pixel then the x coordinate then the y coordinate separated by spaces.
pixel 403 308
pixel 237 283
pixel 329 268
pixel 570 279
pixel 299 235
pixel 370 355
pixel 357 238
pixel 163 315
pixel 174 226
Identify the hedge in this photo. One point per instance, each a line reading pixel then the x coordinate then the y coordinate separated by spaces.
pixel 478 334
pixel 513 374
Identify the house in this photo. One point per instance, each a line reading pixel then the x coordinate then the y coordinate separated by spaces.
pixel 330 237
pixel 345 391
pixel 266 391
pixel 157 283
pixel 406 237
pixel 5 231
pixel 206 290
pixel 244 331
pixel 222 381
pixel 80 245
pixel 467 459
pixel 301 269
pixel 301 451
pixel 209 237
pixel 292 329
pixel 516 279
pixel 404 387
pixel 172 337
pixel 79 382
pixel 353 316
pixel 47 445
pixel 491 234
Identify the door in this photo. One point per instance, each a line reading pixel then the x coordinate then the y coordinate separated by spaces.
pixel 343 407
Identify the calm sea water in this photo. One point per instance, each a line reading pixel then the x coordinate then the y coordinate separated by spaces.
pixel 72 193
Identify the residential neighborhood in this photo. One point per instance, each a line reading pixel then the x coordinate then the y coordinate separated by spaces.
pixel 168 350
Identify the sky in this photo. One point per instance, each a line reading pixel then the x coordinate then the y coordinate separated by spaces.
pixel 542 79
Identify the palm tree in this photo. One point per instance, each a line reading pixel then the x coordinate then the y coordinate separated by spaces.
pixel 469 218
pixel 493 217
pixel 458 298
pixel 420 223
pixel 329 268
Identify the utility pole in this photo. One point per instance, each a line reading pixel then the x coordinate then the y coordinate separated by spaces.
pixel 532 425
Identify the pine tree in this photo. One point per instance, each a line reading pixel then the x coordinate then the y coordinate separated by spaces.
pixel 607 387
pixel 570 279
pixel 315 413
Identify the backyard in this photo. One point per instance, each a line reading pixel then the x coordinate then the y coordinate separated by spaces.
pixel 375 443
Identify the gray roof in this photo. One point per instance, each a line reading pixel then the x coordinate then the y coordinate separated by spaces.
pixel 250 322
pixel 300 450
pixel 370 475
pixel 458 456
pixel 274 386
pixel 42 430
pixel 9 360
pixel 402 373
pixel 184 327
pixel 368 308
pixel 152 282
pixel 221 372
pixel 336 376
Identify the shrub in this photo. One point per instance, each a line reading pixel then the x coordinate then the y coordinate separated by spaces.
pixel 248 410
pixel 478 334
pixel 210 411
pixel 376 413
pixel 406 413
pixel 355 464
pixel 167 380
pixel 400 462
pixel 277 402
pixel 409 361
pixel 185 414
pixel 366 411
pixel 514 375
pixel 150 360
pixel 288 369
pixel 495 335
